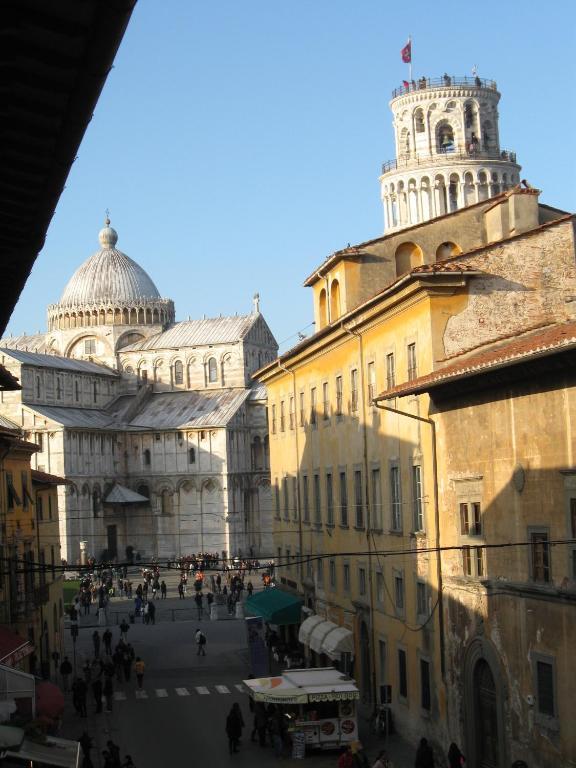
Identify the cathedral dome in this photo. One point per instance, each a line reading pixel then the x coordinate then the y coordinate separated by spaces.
pixel 108 277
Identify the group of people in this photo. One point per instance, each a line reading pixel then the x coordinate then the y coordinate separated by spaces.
pixel 110 756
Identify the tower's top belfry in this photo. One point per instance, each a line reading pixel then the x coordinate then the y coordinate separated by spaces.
pixel 448 152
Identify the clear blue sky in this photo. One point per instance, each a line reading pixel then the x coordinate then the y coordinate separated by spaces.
pixel 237 144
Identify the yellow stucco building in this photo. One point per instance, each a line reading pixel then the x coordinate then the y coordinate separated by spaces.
pixel 360 513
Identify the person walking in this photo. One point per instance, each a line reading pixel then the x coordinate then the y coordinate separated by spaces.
pixel 66 671
pixel 124 627
pixel 455 758
pixel 200 642
pixel 181 591
pixel 424 755
pixel 234 725
pixel 96 643
pixel 139 668
pixel 97 693
pixel 151 612
pixel 108 691
pixel 107 637
pixel 198 601
pixel 86 742
pixel 163 589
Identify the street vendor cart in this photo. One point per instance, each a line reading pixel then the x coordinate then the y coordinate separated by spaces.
pixel 319 704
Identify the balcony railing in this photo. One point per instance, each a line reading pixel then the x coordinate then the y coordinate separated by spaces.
pixel 448 81
pixel 412 161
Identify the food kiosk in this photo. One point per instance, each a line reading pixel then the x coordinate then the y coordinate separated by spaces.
pixel 320 704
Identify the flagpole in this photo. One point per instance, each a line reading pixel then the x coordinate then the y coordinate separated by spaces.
pixel 410 65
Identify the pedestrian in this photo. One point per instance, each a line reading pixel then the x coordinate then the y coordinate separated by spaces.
pixel 86 743
pixel 127 663
pixel 198 601
pixel 201 643
pixel 124 627
pixel 139 668
pixel 151 612
pixel 163 589
pixel 234 725
pixel 96 642
pixel 382 760
pixel 107 637
pixel 261 723
pixel 455 758
pixel 424 755
pixel 250 588
pixel 146 612
pixel 345 760
pixel 114 751
pixel 97 693
pixel 66 671
pixel 108 691
pixel 87 671
pixel 79 696
pixel 181 591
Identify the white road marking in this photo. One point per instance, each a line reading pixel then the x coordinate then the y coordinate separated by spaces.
pixel 202 690
pixel 119 696
pixel 141 694
pixel 161 693
pixel 222 689
pixel 240 687
pixel 182 691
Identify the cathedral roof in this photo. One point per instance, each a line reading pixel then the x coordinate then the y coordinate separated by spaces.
pixel 191 333
pixel 108 277
pixel 60 363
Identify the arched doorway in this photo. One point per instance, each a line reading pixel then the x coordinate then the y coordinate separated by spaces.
pixel 486 717
pixel 365 662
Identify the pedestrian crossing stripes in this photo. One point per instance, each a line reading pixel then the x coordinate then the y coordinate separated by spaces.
pixel 165 693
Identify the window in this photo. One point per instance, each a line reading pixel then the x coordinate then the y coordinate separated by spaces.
pixel 309 568
pixel 399 592
pixel 95 391
pixel 470 519
pixel 343 500
pixel 317 510
pixel 390 371
pixel 333 574
pixel 26 498
pixel 421 599
pixel 376 500
pixel 282 420
pixel 147 457
pixel 380 587
pixel 49 507
pixel 395 499
pixel 39 507
pixel 166 502
pixel 358 499
pixel 540 556
pixel 362 581
pixel 89 346
pixel 12 495
pixel 354 390
pixel 545 695
pixel 295 498
pixel 412 367
pixel 424 684
pixel 274 419
pixel 76 392
pixel 305 498
pixel 302 414
pixel 143 375
pixel 346 576
pixel 38 386
pixel 319 571
pixel 276 501
pixel 58 388
pixel 178 372
pixel 285 498
pixel 288 560
pixel 371 382
pixel 191 456
pixel 466 561
pixel 329 499
pixel 39 440
pixel 402 676
pixel 313 406
pixel 417 501
pixel 291 413
pixel 325 402
pixel 479 561
pixel 212 370
pixel 338 395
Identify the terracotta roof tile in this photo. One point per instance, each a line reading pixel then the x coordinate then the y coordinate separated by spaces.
pixel 47 479
pixel 554 338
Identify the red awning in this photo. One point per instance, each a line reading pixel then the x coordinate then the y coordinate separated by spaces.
pixel 13 647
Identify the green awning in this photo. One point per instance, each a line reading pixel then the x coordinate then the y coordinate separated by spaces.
pixel 275 606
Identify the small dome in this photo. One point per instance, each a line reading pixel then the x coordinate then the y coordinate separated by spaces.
pixel 109 276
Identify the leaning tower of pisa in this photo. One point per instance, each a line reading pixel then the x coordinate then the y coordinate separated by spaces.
pixel 448 152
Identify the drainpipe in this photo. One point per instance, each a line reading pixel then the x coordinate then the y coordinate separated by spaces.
pixel 436 524
pixel 297 500
pixel 368 509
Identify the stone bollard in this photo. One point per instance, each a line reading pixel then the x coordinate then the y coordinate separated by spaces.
pixel 218 609
pixel 239 610
pixel 102 617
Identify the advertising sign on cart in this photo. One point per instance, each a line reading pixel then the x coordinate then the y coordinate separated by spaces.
pixel 298 745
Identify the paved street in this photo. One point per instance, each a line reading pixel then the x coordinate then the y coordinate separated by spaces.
pixel 180 713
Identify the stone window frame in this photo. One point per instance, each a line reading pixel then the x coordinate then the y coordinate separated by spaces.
pixel 551 722
pixel 403 698
pixel 539 529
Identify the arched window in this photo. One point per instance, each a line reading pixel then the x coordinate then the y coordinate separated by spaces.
pixel 447 250
pixel 178 372
pixel 166 502
pixel 147 457
pixel 444 137
pixel 334 300
pixel 96 503
pixel 191 456
pixel 212 369
pixel 487 134
pixel 419 120
pixel 143 490
pixel 408 255
pixel 322 308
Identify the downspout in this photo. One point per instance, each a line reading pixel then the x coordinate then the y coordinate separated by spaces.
pixel 300 533
pixel 436 523
pixel 368 509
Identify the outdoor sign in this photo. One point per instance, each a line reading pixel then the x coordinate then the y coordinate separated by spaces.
pixel 298 745
pixel 257 649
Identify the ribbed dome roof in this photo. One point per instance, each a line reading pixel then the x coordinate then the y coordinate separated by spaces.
pixel 109 276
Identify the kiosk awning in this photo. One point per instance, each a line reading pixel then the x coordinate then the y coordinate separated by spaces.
pixel 319 633
pixel 338 640
pixel 275 606
pixel 306 628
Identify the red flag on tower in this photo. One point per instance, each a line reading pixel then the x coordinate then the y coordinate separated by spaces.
pixel 406 52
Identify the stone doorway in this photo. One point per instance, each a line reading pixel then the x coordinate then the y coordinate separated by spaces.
pixel 486 719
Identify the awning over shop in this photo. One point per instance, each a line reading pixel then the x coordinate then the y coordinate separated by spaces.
pixel 13 647
pixel 62 753
pixel 306 628
pixel 122 495
pixel 338 640
pixel 275 606
pixel 319 633
pixel 301 686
